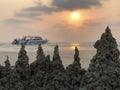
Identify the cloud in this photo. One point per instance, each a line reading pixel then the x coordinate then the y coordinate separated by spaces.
pixel 75 4
pixel 41 9
pixel 38 10
pixel 26 14
pixel 92 23
pixel 57 6
pixel 61 25
pixel 15 21
pixel 115 23
pixel 86 24
pixel 35 11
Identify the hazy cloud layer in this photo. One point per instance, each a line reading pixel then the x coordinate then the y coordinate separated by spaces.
pixel 27 15
pixel 63 25
pixel 35 12
pixel 41 9
pixel 57 6
pixel 92 23
pixel 15 21
pixel 75 4
pixel 113 23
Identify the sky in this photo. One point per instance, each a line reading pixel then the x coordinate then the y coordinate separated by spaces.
pixel 52 19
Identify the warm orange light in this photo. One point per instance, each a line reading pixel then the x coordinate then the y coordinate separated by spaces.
pixel 76 19
pixel 75 16
pixel 74 45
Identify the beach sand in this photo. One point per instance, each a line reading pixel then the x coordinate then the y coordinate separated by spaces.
pixel 66 56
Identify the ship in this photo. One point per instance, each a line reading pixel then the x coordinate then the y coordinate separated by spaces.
pixel 30 40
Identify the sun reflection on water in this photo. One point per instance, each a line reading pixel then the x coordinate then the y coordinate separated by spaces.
pixel 72 47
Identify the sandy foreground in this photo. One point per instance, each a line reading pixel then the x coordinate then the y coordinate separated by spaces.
pixel 67 57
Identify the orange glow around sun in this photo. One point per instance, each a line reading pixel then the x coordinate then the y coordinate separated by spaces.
pixel 74 45
pixel 76 16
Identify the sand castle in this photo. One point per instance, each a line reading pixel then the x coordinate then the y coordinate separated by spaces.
pixel 45 74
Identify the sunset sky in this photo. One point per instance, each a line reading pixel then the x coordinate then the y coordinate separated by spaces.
pixel 57 20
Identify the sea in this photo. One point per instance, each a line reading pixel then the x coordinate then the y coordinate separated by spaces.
pixel 66 50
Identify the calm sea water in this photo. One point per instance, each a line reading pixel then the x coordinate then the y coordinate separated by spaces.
pixel 86 49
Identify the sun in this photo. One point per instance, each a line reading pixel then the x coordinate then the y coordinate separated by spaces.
pixel 75 15
pixel 76 18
